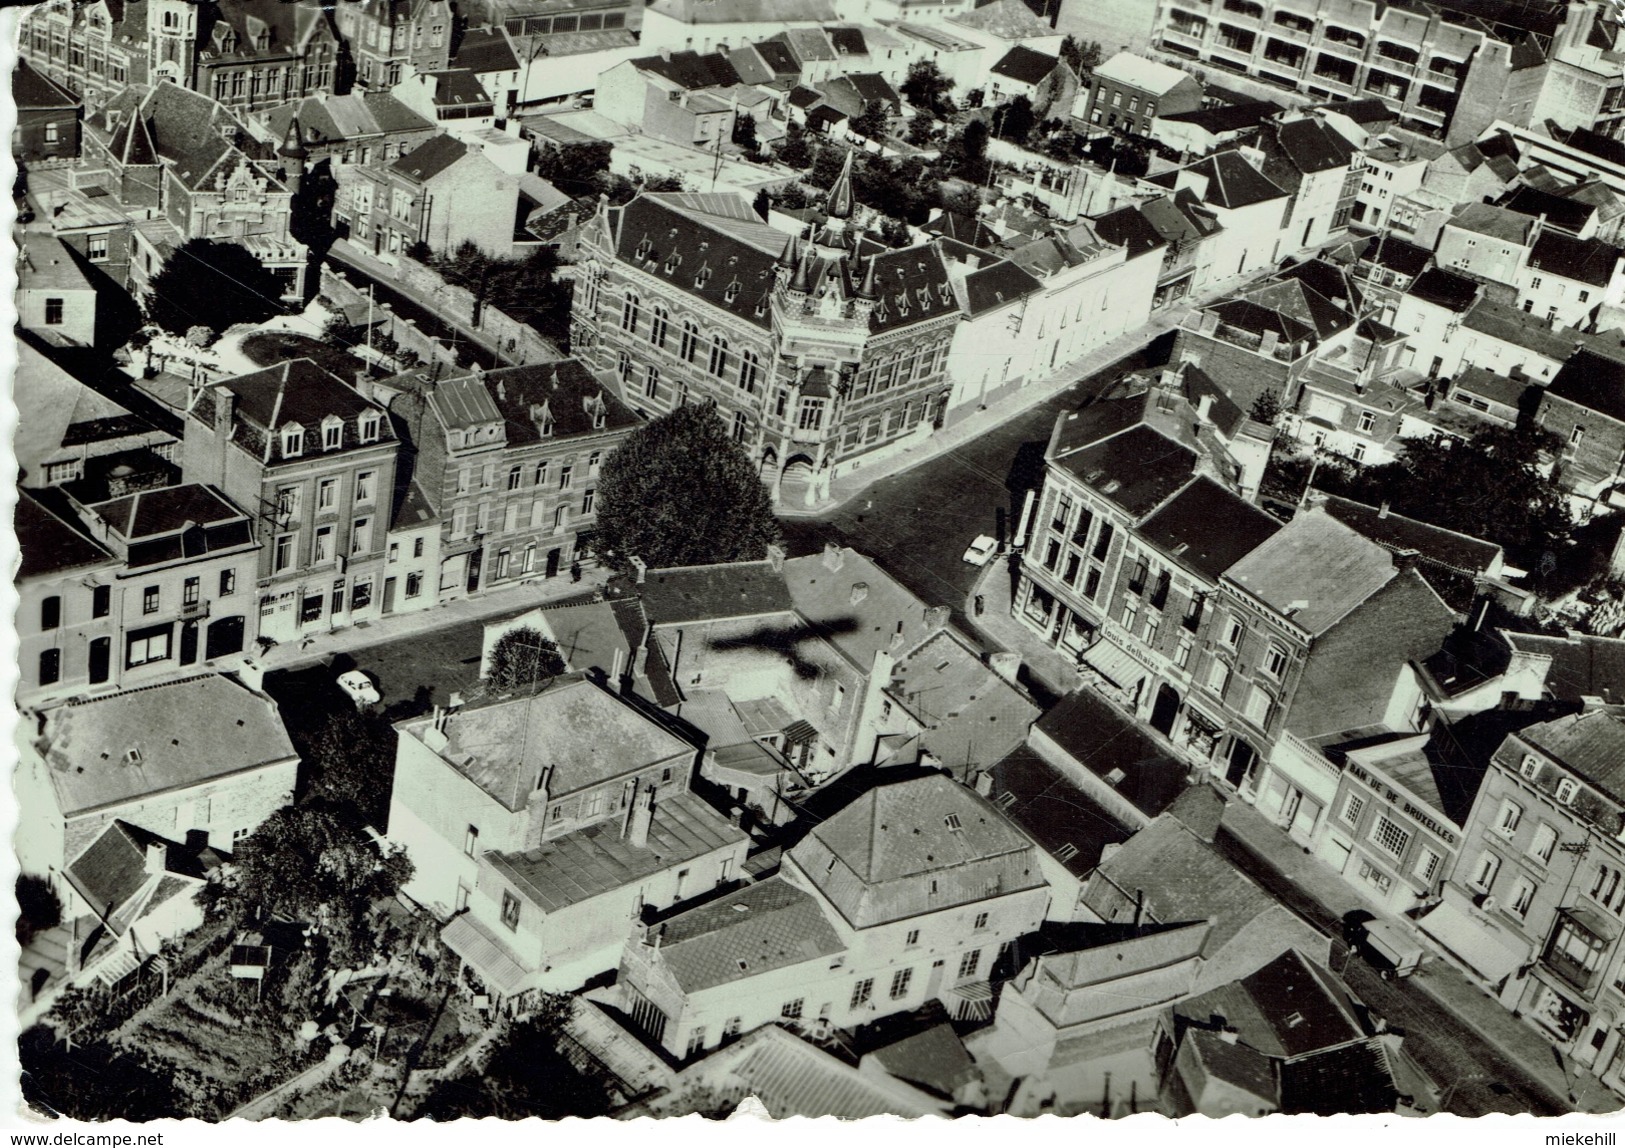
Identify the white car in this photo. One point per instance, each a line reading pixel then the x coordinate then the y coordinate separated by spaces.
pixel 360 688
pixel 981 550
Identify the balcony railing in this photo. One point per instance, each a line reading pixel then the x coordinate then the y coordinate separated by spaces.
pixel 1571 971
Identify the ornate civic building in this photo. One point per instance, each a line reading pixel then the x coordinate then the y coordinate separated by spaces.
pixel 822 350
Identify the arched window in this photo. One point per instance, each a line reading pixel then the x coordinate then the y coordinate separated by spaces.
pixel 513 477
pixel 293 440
pixel 690 341
pixel 657 327
pixel 750 370
pixel 630 311
pixel 719 355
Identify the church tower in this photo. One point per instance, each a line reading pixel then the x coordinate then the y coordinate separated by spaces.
pixel 172 35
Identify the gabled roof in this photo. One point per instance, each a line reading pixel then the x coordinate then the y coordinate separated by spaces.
pixel 1111 746
pixel 1206 528
pixel 1560 211
pixel 1133 71
pixel 1496 222
pixel 1006 19
pixel 1593 381
pixel 712 247
pixel 121 748
pixel 1310 144
pixel 807 44
pixel 1397 255
pixel 1314 571
pixel 887 616
pixel 1445 289
pixel 1288 1008
pixel 1585 260
pixel 1127 227
pixel 1226 117
pixel 1232 181
pixel 1051 808
pixel 776 55
pixel 1592 744
pixel 1485 383
pixel 297 391
pixel 457 87
pixel 1460 552
pixel 49 545
pixel 485 50
pixel 1583 665
pixel 32 90
pixel 1514 325
pixel 585 734
pixel 1025 65
pixel 996 284
pixel 1138 469
pixel 794 1078
pixel 326 118
pixel 288 27
pixel 692 70
pixel 430 158
pixel 914 847
pixel 1370 110
pixel 762 927
pixel 1352 1079
pixel 512 395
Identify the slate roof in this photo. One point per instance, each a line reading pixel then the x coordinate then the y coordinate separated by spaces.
pixel 1227 117
pixel 188 733
pixel 1355 1079
pixel 1130 70
pixel 1049 807
pixel 1510 324
pixel 1025 65
pixel 703 593
pixel 776 55
pixel 1593 381
pixel 996 284
pixel 1496 222
pixel 878 859
pixel 1445 289
pixel 457 87
pixel 1139 468
pixel 971 716
pixel 112 868
pixel 49 544
pixel 32 90
pixel 564 386
pixel 46 263
pixel 1127 227
pixel 1591 744
pixel 1288 1008
pixel 848 41
pixel 1560 211
pixel 326 118
pixel 1315 570
pixel 485 50
pixel 1583 665
pixel 289 28
pixel 1590 142
pixel 769 925
pixel 585 734
pixel 297 391
pixel 1105 742
pixel 1310 144
pixel 807 44
pixel 1586 260
pixel 1460 552
pixel 1398 255
pixel 597 859
pixel 859 630
pixel 187 129
pixel 175 522
pixel 1232 181
pixel 794 1078
pixel 1370 110
pixel 934 1059
pixel 1206 528
pixel 692 70
pixel 430 158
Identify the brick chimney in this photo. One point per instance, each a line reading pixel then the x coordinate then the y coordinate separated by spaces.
pixel 639 817
pixel 834 558
pixel 640 570
pixel 775 557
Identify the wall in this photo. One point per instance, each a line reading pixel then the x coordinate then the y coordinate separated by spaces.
pixel 1602 445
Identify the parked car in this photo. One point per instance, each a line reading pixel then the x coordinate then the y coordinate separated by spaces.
pixel 360 689
pixel 982 550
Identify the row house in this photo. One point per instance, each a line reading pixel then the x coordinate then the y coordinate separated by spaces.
pixel 1532 909
pixel 821 352
pixel 258 53
pixel 1389 172
pixel 1308 157
pixel 64 600
pixel 1127 93
pixel 1250 209
pixel 202 759
pixel 94 49
pixel 508 463
pixel 684 97
pixel 1179 230
pixel 360 127
pixel 544 824
pixel 389 38
pixel 1452 327
pixel 454 99
pixel 1134 526
pixel 1207 130
pixel 182 161
pixel 1584 406
pixel 700 26
pixel 1561 277
pixel 48 117
pixel 910 894
pixel 55 297
pixel 443 193
pixel 1042 307
pixel 314 464
pixel 1384 267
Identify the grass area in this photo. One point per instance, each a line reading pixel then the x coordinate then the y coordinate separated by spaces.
pixel 267 348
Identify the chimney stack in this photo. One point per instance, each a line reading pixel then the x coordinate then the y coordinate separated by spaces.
pixel 775 557
pixel 833 558
pixel 640 569
pixel 1204 408
pixel 638 819
pixel 860 591
pixel 157 858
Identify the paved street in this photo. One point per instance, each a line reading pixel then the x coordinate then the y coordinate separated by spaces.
pixel 918 523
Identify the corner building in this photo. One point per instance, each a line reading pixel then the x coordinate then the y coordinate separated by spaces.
pixel 822 351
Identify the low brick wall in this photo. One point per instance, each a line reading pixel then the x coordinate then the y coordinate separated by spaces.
pixel 405 332
pixel 507 336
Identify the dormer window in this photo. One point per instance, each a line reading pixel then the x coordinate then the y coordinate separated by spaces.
pixel 731 292
pixel 543 418
pixel 1530 767
pixel 332 432
pixel 368 426
pixel 673 263
pixel 644 248
pixel 704 275
pixel 902 303
pixel 293 440
pixel 1566 789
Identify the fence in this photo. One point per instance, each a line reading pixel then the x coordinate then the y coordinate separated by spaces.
pixel 407 335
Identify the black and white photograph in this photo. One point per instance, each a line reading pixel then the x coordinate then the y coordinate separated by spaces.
pixel 755 559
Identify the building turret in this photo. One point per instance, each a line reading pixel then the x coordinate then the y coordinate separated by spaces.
pixel 293 155
pixel 840 202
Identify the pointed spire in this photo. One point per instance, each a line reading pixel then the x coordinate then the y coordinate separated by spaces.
pixel 839 204
pixel 802 281
pixel 870 288
pixel 791 255
pixel 293 142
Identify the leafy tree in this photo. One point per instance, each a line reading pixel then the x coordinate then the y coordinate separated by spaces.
pixel 926 86
pixel 210 284
pixel 681 492
pixel 574 166
pixel 920 127
pixel 827 165
pixel 966 153
pixel 526 1075
pixel 975 98
pixel 744 133
pixel 894 232
pixel 1080 56
pixel 523 658
pixel 875 121
pixel 795 151
pixel 1016 120
pixel 1266 407
pixel 525 289
pixel 350 764
pixel 313 865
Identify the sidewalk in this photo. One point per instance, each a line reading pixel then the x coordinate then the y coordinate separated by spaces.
pixel 1440 980
pixel 849 486
pixel 1001 631
pixel 491 604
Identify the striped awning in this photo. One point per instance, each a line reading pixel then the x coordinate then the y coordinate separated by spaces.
pixel 491 959
pixel 1114 663
pixel 800 733
pixel 970 1000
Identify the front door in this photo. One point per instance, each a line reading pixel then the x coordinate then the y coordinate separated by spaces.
pixel 1165 710
pixel 225 637
pixel 189 642
pixel 389 595
pixel 101 658
pixel 474 570
pixel 553 557
pixel 1242 759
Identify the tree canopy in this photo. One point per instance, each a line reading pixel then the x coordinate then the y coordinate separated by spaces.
pixel 524 289
pixel 1016 120
pixel 926 86
pixel 350 763
pixel 214 285
pixel 523 658
pixel 526 1075
pixel 1081 56
pixel 311 864
pixel 795 151
pixel 681 492
pixel 875 120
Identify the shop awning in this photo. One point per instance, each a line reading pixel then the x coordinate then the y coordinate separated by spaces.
pixel 1488 951
pixel 1114 664
pixel 491 959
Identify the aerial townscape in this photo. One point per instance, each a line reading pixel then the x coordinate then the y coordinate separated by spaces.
pixel 601 558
